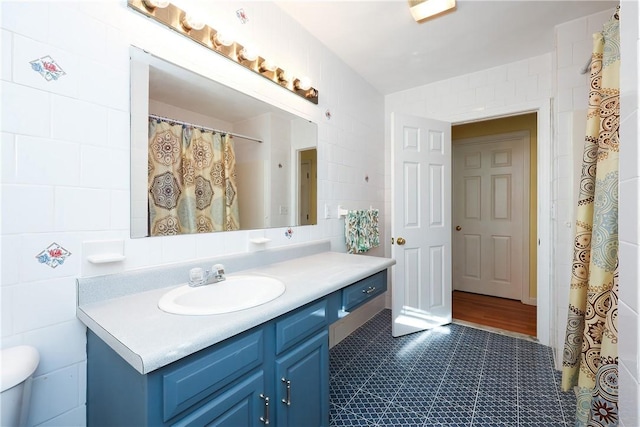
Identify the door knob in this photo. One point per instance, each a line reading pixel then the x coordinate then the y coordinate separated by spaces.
pixel 458 228
pixel 400 241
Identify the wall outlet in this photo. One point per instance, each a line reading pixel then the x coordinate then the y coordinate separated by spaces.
pixel 284 210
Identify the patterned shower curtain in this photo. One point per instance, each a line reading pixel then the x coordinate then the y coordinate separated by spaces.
pixel 590 362
pixel 192 180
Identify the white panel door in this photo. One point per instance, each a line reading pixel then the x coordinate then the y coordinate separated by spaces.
pixel 491 215
pixel 421 223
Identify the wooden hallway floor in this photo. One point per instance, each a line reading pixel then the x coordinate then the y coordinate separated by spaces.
pixel 500 313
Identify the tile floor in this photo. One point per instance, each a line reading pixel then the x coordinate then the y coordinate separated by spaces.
pixel 454 376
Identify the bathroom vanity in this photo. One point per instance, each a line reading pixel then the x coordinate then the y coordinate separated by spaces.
pixel 266 365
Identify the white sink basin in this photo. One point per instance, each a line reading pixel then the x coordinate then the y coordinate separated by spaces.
pixel 233 294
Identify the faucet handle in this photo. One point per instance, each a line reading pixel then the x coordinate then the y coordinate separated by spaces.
pixel 218 269
pixel 196 276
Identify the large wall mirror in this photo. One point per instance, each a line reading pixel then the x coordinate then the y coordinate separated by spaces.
pixel 206 157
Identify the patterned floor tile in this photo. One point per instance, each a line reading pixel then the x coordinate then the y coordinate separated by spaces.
pixel 399 416
pixel 367 406
pixel 416 400
pixel 457 394
pixel 382 386
pixel 340 393
pixel 450 376
pixel 353 375
pixel 448 413
pixel 346 418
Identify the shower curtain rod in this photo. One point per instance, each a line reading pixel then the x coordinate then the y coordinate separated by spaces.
pixel 180 122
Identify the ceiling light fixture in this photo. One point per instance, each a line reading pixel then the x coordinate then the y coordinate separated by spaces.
pixel 190 25
pixel 423 9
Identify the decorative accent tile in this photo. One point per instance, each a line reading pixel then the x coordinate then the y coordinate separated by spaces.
pixel 242 16
pixel 53 256
pixel 47 67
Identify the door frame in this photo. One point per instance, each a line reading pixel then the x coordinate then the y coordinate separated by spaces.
pixel 545 332
pixel 525 297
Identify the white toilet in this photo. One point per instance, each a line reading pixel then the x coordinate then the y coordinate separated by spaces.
pixel 17 365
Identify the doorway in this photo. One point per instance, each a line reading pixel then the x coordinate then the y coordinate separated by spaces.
pixel 477 240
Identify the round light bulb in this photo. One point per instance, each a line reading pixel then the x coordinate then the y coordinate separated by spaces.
pixel 304 83
pixel 223 39
pixel 268 65
pixel 247 53
pixel 152 4
pixel 190 22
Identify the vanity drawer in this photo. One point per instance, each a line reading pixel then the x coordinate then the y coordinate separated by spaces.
pixel 295 327
pixel 189 381
pixel 364 290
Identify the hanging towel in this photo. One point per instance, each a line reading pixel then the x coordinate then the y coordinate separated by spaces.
pixel 361 230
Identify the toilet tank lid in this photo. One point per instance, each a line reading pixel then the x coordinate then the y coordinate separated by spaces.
pixel 17 364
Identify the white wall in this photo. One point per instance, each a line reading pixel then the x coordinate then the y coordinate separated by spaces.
pixel 65 161
pixel 629 209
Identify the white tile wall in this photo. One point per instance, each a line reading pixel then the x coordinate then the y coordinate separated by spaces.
pixel 65 162
pixel 629 303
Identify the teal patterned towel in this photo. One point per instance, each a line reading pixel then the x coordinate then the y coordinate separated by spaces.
pixel 361 230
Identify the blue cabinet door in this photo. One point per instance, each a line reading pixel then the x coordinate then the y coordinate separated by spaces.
pixel 241 405
pixel 302 384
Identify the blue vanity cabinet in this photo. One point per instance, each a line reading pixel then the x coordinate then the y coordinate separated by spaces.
pixel 237 382
pixel 240 405
pixel 219 385
pixel 302 365
pixel 355 295
pixel 302 389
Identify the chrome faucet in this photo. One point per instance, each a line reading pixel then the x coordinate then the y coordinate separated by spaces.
pixel 200 277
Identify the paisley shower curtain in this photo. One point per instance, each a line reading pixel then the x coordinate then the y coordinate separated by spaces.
pixel 590 362
pixel 192 180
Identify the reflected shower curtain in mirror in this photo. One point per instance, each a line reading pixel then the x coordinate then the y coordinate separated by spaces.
pixel 192 180
pixel 590 362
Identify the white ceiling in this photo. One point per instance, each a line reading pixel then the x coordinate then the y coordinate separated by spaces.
pixel 381 41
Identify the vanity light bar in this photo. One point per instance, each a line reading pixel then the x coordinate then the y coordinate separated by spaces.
pixel 175 18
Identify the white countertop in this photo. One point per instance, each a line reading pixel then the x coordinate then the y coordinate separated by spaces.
pixel 148 338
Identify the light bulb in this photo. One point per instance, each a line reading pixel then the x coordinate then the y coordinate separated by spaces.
pixel 248 54
pixel 268 65
pixel 152 4
pixel 303 83
pixel 283 76
pixel 222 39
pixel 190 22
